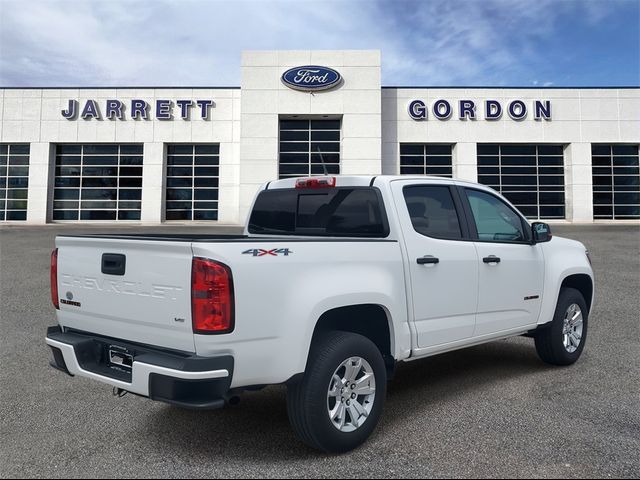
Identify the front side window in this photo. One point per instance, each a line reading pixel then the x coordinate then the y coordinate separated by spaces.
pixel 432 211
pixel 494 219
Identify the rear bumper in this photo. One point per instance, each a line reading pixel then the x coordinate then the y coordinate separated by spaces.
pixel 164 375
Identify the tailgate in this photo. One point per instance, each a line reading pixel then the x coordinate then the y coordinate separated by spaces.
pixel 130 289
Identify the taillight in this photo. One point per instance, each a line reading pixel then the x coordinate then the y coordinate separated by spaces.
pixel 212 308
pixel 316 182
pixel 54 279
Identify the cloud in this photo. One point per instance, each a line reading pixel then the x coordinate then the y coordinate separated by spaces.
pixel 477 42
pixel 198 43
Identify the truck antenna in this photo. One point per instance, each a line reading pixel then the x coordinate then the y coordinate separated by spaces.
pixel 324 166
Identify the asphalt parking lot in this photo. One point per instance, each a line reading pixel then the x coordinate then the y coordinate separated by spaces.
pixel 489 411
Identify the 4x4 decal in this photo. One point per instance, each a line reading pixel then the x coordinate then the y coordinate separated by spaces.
pixel 261 252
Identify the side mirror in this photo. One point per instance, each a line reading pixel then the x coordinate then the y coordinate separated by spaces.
pixel 540 232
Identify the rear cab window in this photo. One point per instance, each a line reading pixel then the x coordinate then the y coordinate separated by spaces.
pixel 331 212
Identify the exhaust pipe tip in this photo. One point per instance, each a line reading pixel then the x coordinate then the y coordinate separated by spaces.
pixel 119 392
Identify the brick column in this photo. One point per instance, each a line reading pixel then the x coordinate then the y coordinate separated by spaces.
pixel 40 176
pixel 578 182
pixel 153 164
pixel 465 162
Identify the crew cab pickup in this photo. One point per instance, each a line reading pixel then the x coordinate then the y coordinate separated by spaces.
pixel 333 283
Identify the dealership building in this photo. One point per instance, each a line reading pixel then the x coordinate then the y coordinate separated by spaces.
pixel 199 154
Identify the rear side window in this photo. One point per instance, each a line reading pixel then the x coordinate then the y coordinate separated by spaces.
pixel 335 212
pixel 432 211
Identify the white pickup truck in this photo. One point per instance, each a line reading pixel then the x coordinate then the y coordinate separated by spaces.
pixel 335 281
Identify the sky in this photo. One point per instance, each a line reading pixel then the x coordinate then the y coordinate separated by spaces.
pixel 46 43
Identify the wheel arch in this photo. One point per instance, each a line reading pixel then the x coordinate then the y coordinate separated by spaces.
pixel 581 282
pixel 370 320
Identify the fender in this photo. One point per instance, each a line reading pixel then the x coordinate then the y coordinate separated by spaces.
pixel 563 258
pixel 371 288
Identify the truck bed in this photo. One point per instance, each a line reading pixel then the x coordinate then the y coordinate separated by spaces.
pixel 149 299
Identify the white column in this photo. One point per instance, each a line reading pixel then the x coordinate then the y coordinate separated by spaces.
pixel 40 174
pixel 153 164
pixel 465 162
pixel 578 182
pixel 229 184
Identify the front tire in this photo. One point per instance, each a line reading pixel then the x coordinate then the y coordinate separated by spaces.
pixel 562 341
pixel 339 401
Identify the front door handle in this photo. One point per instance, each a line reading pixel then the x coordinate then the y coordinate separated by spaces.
pixel 427 260
pixel 491 259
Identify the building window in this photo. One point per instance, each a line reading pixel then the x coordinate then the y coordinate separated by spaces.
pixel 14 181
pixel 530 176
pixel 309 147
pixel 193 173
pixel 98 182
pixel 425 159
pixel 616 181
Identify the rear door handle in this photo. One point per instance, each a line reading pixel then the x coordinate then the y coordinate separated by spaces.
pixel 491 259
pixel 427 260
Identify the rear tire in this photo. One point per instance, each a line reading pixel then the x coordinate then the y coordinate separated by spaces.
pixel 562 341
pixel 338 403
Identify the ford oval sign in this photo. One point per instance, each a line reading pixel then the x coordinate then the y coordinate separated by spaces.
pixel 311 78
